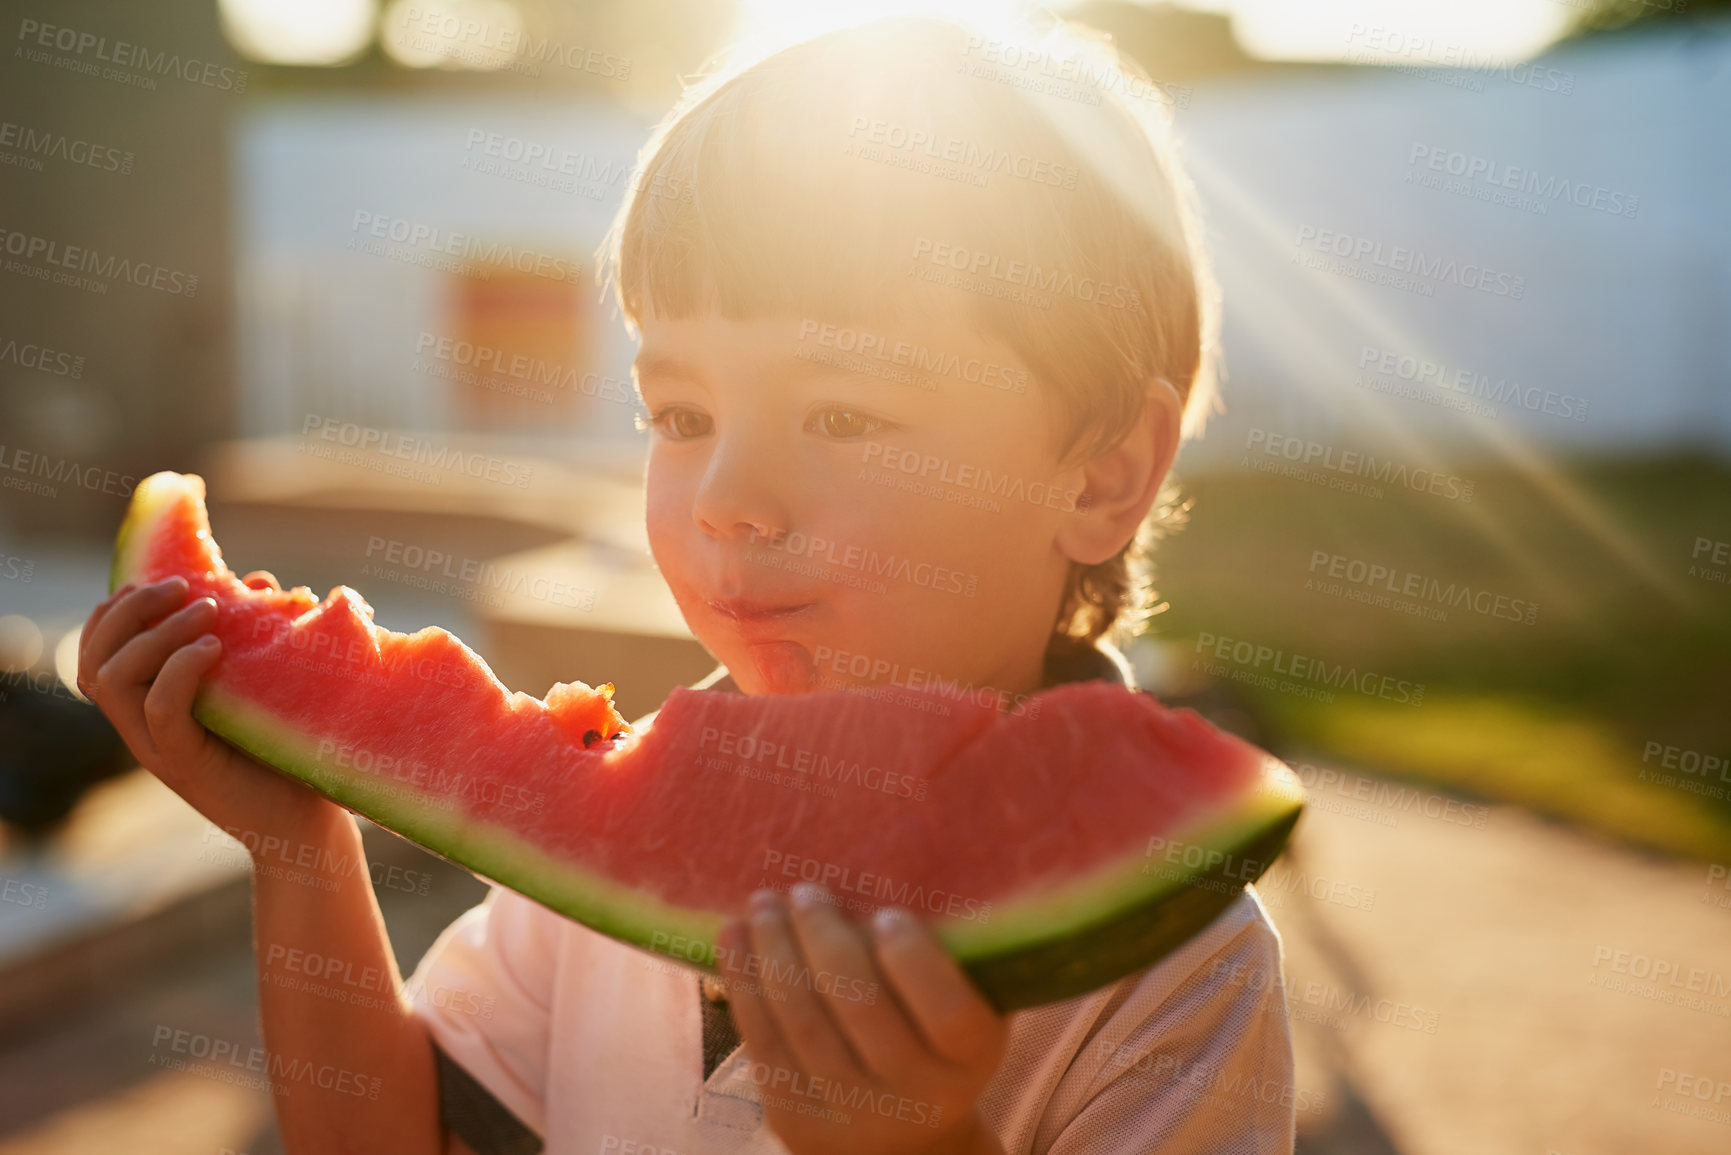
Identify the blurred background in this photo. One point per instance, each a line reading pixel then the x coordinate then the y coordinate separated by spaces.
pixel 1557 790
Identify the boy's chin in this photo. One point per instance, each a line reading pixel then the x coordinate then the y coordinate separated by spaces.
pixel 782 667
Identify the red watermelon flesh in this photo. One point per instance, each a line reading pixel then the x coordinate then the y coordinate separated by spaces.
pixel 1052 852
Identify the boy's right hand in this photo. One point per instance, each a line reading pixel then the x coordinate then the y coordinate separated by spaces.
pixel 140 659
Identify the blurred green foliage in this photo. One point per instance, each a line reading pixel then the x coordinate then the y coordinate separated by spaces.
pixel 1628 647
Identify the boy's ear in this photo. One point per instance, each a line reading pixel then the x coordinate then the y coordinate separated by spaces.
pixel 1120 485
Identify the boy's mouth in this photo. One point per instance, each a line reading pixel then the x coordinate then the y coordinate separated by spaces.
pixel 750 612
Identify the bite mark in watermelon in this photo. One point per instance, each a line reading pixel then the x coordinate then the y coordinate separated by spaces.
pixel 1026 843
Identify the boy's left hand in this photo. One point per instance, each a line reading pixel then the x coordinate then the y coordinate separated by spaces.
pixel 883 1030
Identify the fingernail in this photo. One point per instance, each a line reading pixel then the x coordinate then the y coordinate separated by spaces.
pixel 892 920
pixel 209 642
pixel 809 896
pixel 764 902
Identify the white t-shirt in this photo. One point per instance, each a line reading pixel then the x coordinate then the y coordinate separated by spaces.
pixel 596 1045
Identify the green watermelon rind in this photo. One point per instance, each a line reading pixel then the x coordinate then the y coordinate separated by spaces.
pixel 475 845
pixel 1096 898
pixel 150 499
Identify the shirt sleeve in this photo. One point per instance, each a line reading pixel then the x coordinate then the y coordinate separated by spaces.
pixel 485 990
pixel 1208 1072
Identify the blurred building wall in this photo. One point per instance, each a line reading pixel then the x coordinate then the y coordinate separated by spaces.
pixel 360 222
pixel 112 136
pixel 1627 310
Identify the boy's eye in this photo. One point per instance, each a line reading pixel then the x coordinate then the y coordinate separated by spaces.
pixel 842 423
pixel 680 423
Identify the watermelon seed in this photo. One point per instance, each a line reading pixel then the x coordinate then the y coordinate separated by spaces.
pixel 590 738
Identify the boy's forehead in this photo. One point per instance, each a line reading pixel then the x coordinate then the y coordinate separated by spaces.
pixel 936 336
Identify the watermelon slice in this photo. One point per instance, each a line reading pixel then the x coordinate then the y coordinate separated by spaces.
pixel 1051 853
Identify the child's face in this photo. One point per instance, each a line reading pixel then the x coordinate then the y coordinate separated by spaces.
pixel 786 514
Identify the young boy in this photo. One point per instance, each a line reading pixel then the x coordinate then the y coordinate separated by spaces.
pixel 904 291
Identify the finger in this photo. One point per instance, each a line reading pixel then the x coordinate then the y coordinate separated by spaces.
pixel 943 1002
pixel 261 579
pixel 87 685
pixel 129 615
pixel 102 608
pixel 87 672
pixel 168 704
pixel 847 979
pixel 139 660
pixel 122 679
pixel 763 1042
pixel 813 1037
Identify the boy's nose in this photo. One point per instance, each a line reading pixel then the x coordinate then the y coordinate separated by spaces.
pixel 740 496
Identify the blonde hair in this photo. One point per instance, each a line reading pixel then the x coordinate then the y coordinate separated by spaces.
pixel 752 199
